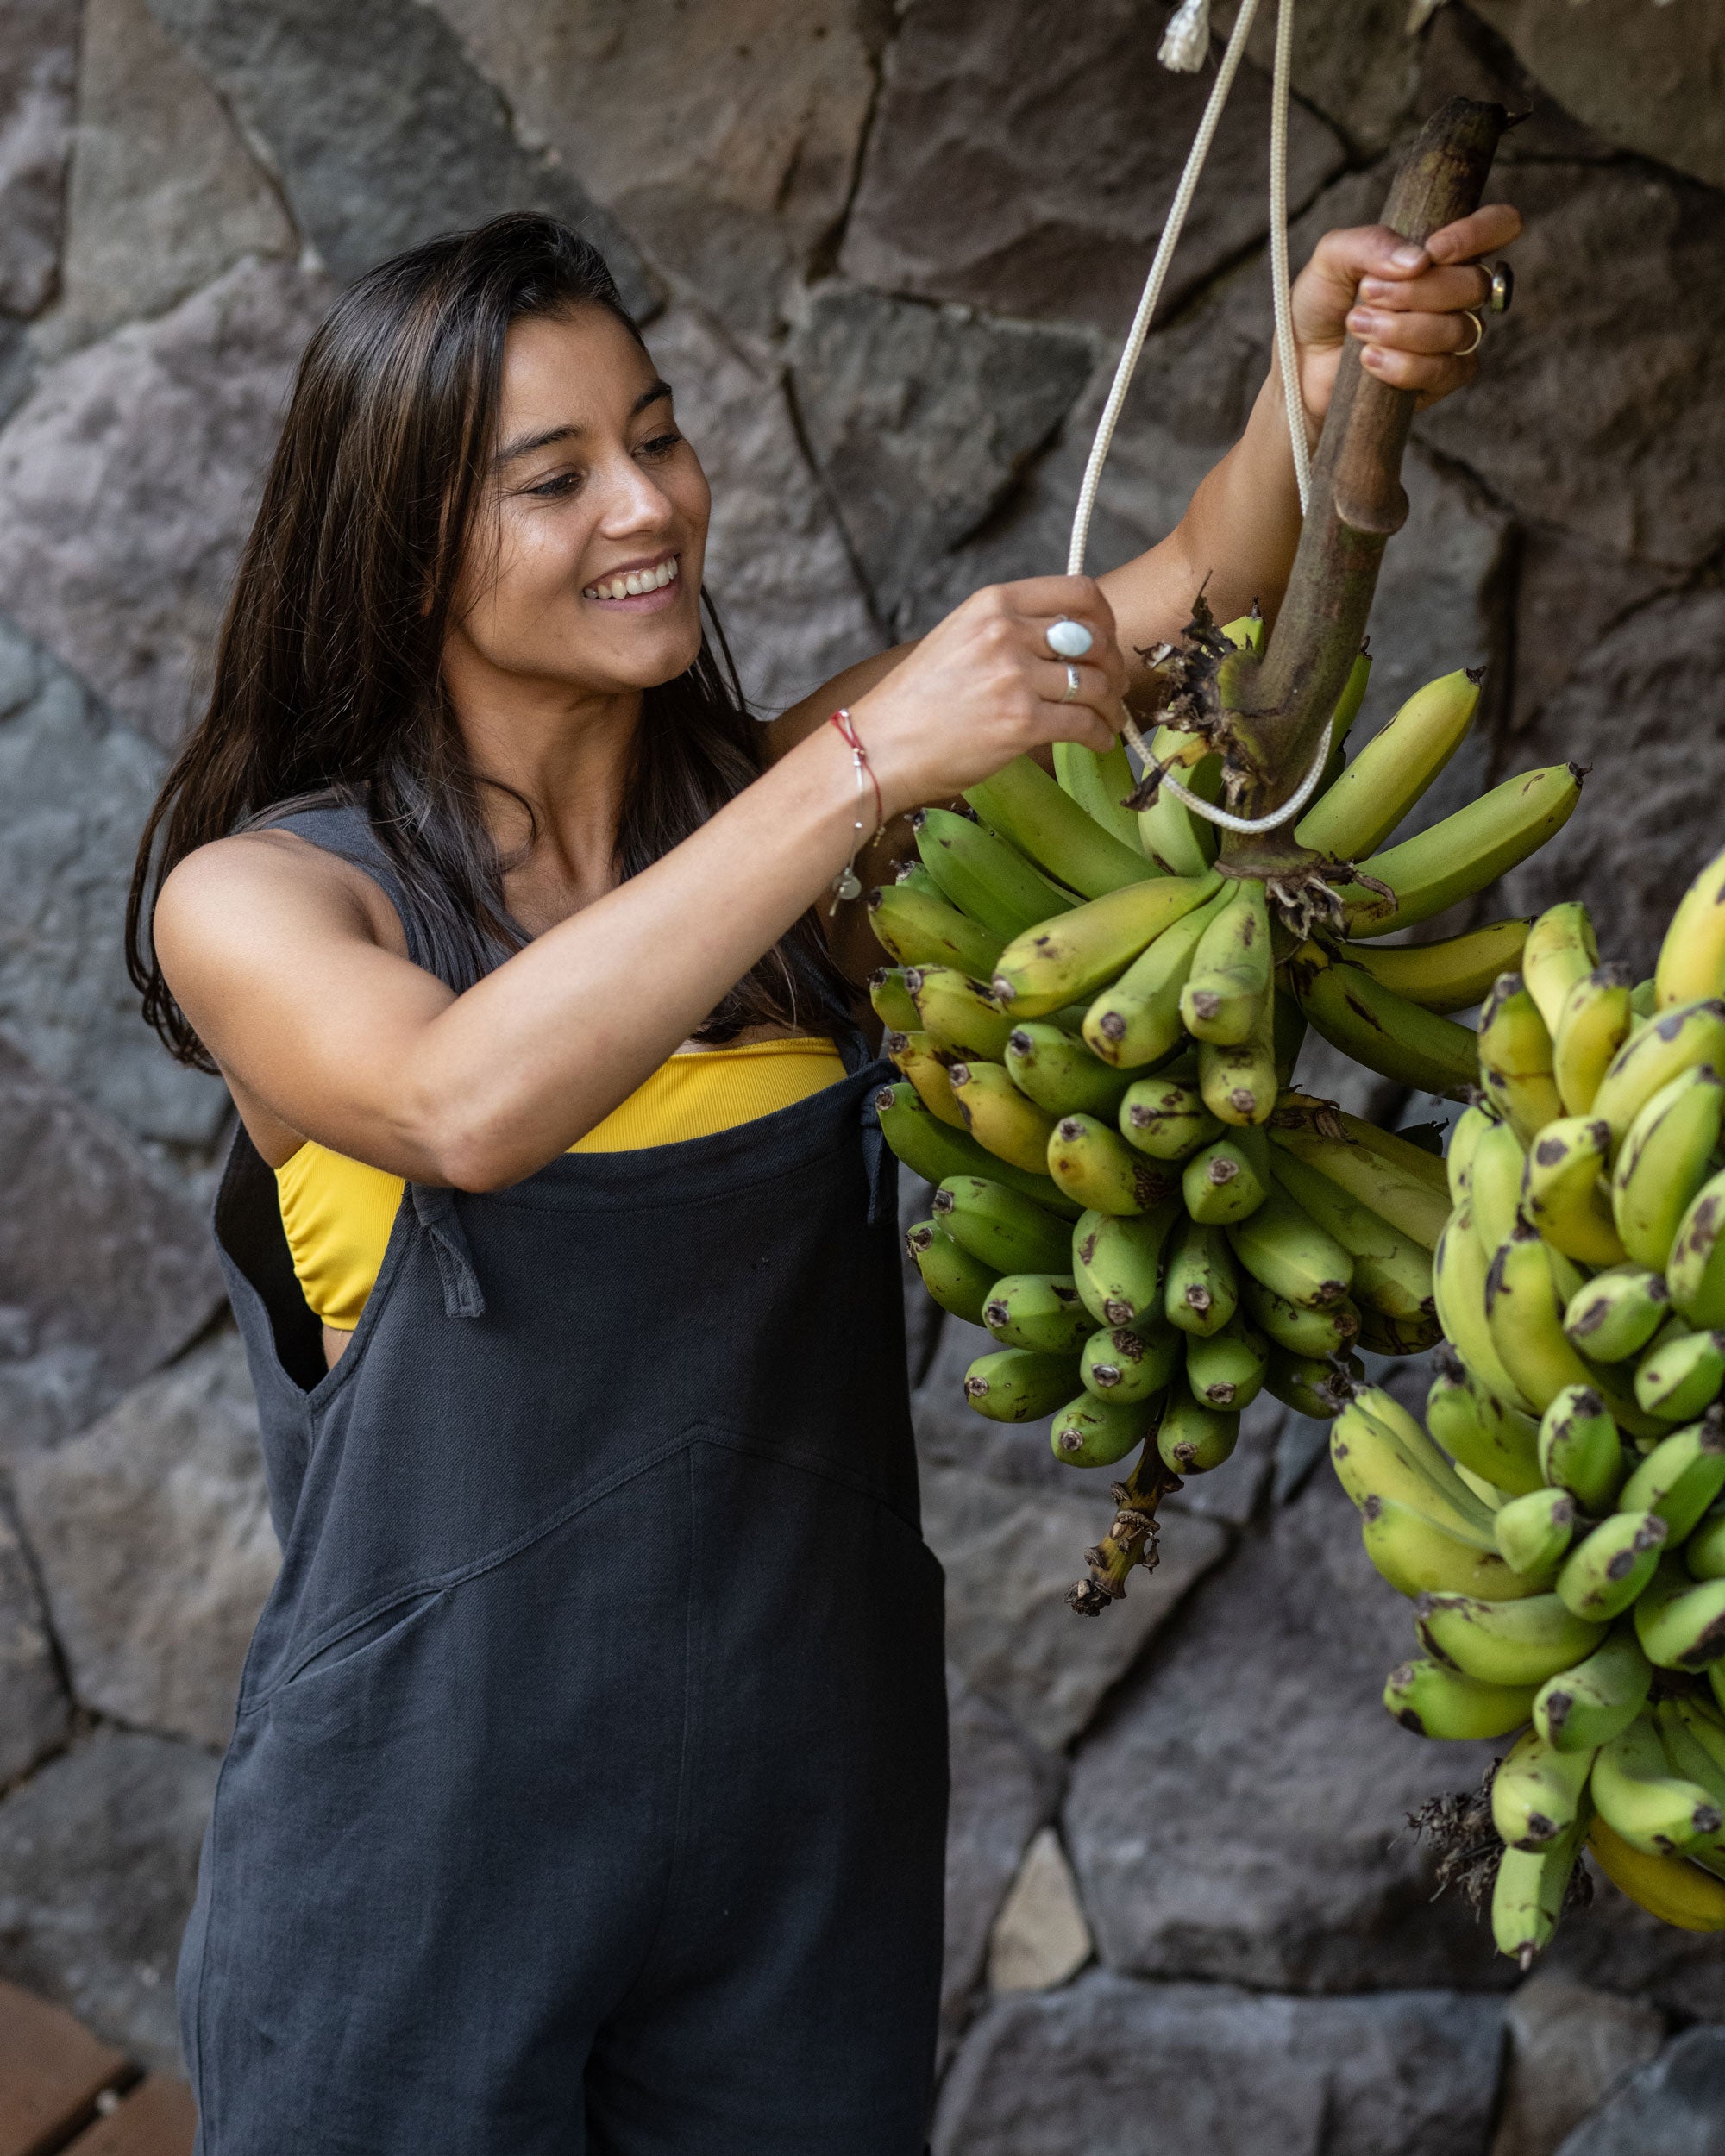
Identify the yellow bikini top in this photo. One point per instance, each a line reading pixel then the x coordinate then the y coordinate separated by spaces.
pixel 338 1213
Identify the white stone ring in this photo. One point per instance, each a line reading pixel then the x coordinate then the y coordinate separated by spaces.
pixel 1069 639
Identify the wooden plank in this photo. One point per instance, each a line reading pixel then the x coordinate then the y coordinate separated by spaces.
pixel 157 2119
pixel 51 2071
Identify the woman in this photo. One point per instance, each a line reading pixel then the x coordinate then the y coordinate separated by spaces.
pixel 586 1787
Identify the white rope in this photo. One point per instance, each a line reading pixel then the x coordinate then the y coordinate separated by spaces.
pixel 1193 18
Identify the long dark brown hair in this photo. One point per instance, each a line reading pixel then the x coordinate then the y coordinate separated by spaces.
pixel 328 684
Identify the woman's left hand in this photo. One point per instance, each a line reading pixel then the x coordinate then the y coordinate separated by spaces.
pixel 1406 304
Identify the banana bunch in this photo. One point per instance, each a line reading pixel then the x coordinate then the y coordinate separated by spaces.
pixel 1096 1025
pixel 1560 1521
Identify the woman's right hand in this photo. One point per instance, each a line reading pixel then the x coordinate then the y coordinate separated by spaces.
pixel 983 687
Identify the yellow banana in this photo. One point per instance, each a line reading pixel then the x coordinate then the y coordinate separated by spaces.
pixel 933 1150
pixel 1680 1622
pixel 1466 1133
pixel 1380 1029
pixel 1592 1026
pixel 1460 1270
pixel 1680 1374
pixel 1561 949
pixel 1565 1194
pixel 1418 1557
pixel 915 1055
pixel 1372 1459
pixel 1390 1181
pixel 1522 1641
pixel 1094 1166
pixel 999 1116
pixel 1466 852
pixel 1525 1315
pixel 1641 1799
pixel 1137 1020
pixel 918 928
pixel 1451 975
pixel 1515 1058
pixel 1392 1274
pixel 1027 808
pixel 957 1012
pixel 1498 1443
pixel 1669 1888
pixel 1393 769
pixel 1533 1532
pixel 1239 1083
pixel 1179 843
pixel 1230 976
pixel 1616 1313
pixel 1494 1189
pixel 1695 1270
pixel 1663 1162
pixel 1675 1041
pixel 1067 959
pixel 1691 963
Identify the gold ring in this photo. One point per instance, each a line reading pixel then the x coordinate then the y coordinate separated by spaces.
pixel 1474 316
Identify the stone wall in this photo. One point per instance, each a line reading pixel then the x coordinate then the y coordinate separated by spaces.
pixel 885 250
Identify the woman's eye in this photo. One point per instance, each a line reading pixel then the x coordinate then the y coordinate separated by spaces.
pixel 558 482
pixel 661 445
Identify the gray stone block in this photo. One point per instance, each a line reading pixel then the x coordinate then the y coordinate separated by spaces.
pixel 1568 2046
pixel 1023 156
pixel 1143 2070
pixel 75 788
pixel 38 67
pixel 1676 2107
pixel 103 1272
pixel 34 1711
pixel 920 419
pixel 152 1530
pixel 380 132
pixel 98 1863
pixel 1239 1813
pixel 127 483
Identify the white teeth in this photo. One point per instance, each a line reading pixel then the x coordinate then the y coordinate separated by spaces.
pixel 633 585
pixel 671 570
pixel 636 582
pixel 618 588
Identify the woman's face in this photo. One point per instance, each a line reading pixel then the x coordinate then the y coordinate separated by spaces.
pixel 587 569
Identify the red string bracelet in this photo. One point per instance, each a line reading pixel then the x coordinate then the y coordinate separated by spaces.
pixel 847 884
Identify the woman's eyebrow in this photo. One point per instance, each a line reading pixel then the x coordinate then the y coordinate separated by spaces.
pixel 526 444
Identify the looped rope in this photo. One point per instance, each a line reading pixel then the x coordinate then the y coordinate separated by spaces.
pixel 1184 48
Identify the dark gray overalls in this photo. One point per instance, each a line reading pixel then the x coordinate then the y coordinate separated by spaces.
pixel 587 1791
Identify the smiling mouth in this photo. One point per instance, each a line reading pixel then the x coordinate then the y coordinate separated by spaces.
pixel 635 583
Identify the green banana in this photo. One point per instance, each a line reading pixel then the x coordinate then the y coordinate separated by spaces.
pixel 982 875
pixel 1609 1568
pixel 913 876
pixel 1283 1248
pixel 1179 843
pixel 1166 1118
pixel 1191 1438
pixel 1533 1532
pixel 1695 1271
pixel 1229 979
pixel 1580 1450
pixel 1679 1622
pixel 919 929
pixel 1199 1289
pixel 1680 1375
pixel 999 1116
pixel 1494 1184
pixel 1663 1162
pixel 1638 1797
pixel 1027 808
pixel 1466 852
pixel 1459 1273
pixel 1528 1894
pixel 1419 1555
pixel 1310 1385
pixel 1067 959
pixel 1614 1316
pixel 1001 1227
pixel 957 1013
pixel 1018 1385
pixel 1644 1002
pixel 1674 1042
pixel 1473 1425
pixel 890 999
pixel 1037 1310
pixel 1592 1026
pixel 1435 1701
pixel 1405 1195
pixel 1092 1432
pixel 1312 1334
pixel 1372 1459
pixel 1379 1335
pixel 1420 1162
pixel 1537 1792
pixel 1692 961
pixel 1561 950
pixel 1060 1074
pixel 1566 1195
pixel 1466 1133
pixel 916 1056
pixel 1392 1275
pixel 1226 1370
pixel 957 1281
pixel 1393 769
pixel 1228 1179
pixel 1100 784
pixel 1681 1477
pixel 1094 1165
pixel 1584 1706
pixel 1137 1020
pixel 1515 1058
pixel 1453 975
pixel 1239 1083
pixel 1117 1262
pixel 1381 1029
pixel 1520 1642
pixel 1704 1554
pixel 1134 1362
pixel 929 1149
